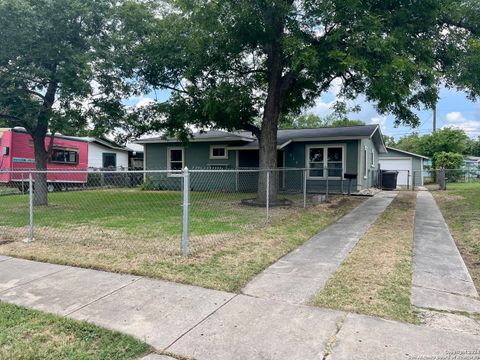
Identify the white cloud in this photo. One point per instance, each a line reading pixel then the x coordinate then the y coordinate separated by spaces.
pixel 322 108
pixel 455 116
pixel 144 101
pixel 458 121
pixel 380 120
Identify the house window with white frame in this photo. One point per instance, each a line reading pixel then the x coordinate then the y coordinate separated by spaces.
pixel 175 160
pixel 321 157
pixel 373 158
pixel 218 152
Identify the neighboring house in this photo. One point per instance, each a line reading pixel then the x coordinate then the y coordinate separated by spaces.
pixel 104 154
pixel 351 150
pixel 472 162
pixel 135 156
pixel 409 166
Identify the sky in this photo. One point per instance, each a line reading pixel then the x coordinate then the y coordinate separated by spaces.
pixel 453 110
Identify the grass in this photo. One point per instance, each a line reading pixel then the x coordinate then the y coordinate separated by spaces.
pixel 28 334
pixel 376 278
pixel 139 232
pixel 460 206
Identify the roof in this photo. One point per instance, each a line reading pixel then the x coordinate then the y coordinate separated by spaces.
pixel 284 136
pixel 213 135
pixel 408 153
pixel 107 143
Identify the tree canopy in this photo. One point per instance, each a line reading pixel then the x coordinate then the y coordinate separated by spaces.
pixel 448 140
pixel 61 70
pixel 315 121
pixel 229 62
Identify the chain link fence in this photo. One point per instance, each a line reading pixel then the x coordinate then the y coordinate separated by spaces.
pixel 440 178
pixel 152 212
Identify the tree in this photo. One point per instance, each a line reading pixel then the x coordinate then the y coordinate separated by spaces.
pixel 229 62
pixel 314 121
pixel 59 71
pixel 447 160
pixel 449 140
pixel 389 140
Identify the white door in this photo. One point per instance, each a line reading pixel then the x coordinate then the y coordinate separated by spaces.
pixel 403 166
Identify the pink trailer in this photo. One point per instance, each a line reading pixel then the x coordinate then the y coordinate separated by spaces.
pixel 17 158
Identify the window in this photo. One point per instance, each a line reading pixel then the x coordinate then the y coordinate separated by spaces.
pixel 315 162
pixel 365 157
pixel 321 157
pixel 218 152
pixel 109 160
pixel 373 158
pixel 335 161
pixel 175 159
pixel 64 156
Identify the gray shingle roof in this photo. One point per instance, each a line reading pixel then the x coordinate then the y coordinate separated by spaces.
pixel 284 135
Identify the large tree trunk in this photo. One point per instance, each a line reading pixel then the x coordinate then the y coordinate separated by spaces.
pixel 40 197
pixel 268 133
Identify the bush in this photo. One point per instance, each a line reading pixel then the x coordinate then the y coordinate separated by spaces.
pixel 152 185
pixel 447 160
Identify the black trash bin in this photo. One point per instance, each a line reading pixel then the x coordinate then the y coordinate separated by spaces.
pixel 389 179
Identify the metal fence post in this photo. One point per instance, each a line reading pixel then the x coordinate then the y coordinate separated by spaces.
pixel 413 181
pixel 304 188
pixel 30 207
pixel 186 200
pixel 267 199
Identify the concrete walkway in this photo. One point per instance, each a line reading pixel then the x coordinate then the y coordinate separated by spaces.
pixel 212 325
pixel 298 276
pixel 440 278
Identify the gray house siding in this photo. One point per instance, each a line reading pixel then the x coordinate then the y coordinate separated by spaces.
pixel 368 164
pixel 296 157
pixel 197 156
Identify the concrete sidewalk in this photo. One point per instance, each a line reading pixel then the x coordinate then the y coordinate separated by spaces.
pixel 301 274
pixel 440 277
pixel 206 324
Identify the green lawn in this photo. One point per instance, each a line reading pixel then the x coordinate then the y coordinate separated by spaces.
pixel 139 232
pixel 376 278
pixel 28 335
pixel 460 206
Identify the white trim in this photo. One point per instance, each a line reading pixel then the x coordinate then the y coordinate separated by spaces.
pixel 225 149
pixel 365 165
pixel 406 152
pixel 421 169
pixel 169 149
pixel 325 148
pixel 284 144
pixel 373 157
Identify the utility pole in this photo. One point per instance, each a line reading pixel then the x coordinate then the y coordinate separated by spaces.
pixel 435 118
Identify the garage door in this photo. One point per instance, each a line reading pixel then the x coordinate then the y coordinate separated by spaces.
pixel 403 166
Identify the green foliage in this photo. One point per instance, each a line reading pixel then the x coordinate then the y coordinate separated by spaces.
pixel 227 64
pixel 314 121
pixel 62 65
pixel 447 160
pixel 389 140
pixel 153 185
pixel 443 140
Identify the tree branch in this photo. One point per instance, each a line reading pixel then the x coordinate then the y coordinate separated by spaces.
pixel 253 129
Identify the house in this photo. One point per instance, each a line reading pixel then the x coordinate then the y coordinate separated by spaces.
pixel 344 150
pixel 410 166
pixel 69 156
pixel 104 154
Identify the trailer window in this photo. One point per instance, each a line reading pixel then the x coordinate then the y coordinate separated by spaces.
pixel 63 156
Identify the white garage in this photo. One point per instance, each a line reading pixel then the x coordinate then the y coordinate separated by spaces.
pixel 403 166
pixel 408 165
